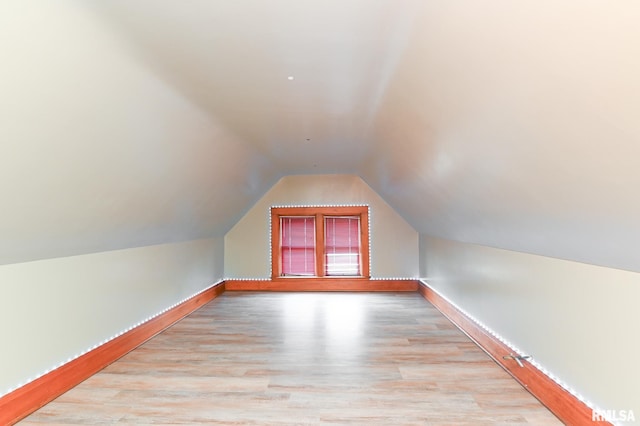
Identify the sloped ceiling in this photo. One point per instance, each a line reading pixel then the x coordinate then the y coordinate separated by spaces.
pixel 510 124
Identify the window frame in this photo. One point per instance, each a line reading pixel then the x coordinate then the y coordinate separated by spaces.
pixel 320 213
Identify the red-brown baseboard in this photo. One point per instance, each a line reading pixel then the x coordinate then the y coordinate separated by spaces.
pixel 322 284
pixel 28 398
pixel 569 409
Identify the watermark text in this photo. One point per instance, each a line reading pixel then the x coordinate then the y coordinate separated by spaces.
pixel 613 416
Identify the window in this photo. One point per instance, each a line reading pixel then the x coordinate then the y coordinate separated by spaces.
pixel 342 245
pixel 298 245
pixel 320 241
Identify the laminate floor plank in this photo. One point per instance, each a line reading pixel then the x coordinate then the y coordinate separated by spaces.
pixel 250 358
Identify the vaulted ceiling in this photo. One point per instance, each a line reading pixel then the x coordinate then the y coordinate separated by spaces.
pixel 133 122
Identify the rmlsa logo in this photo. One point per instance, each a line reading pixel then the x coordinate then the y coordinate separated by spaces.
pixel 612 416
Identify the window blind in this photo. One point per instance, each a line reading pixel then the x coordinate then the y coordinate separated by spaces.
pixel 342 246
pixel 298 245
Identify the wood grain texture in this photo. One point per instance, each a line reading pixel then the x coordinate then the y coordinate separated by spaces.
pixel 39 392
pixel 321 284
pixel 564 405
pixel 306 359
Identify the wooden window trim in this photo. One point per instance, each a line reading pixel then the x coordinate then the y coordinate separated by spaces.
pixel 319 213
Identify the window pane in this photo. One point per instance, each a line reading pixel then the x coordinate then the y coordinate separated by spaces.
pixel 342 245
pixel 297 245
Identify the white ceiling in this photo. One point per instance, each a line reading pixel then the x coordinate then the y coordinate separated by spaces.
pixel 510 124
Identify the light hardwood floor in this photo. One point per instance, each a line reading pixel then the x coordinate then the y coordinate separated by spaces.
pixel 303 358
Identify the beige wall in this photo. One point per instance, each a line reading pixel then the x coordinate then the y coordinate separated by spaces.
pixel 53 310
pixel 98 151
pixel 579 321
pixel 394 243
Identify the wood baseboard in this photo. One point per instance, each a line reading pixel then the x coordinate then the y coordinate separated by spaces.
pixel 23 401
pixel 322 284
pixel 569 409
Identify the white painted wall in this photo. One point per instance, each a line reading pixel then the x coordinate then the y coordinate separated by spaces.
pixel 514 124
pixel 52 310
pixel 579 321
pixel 97 152
pixel 394 243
